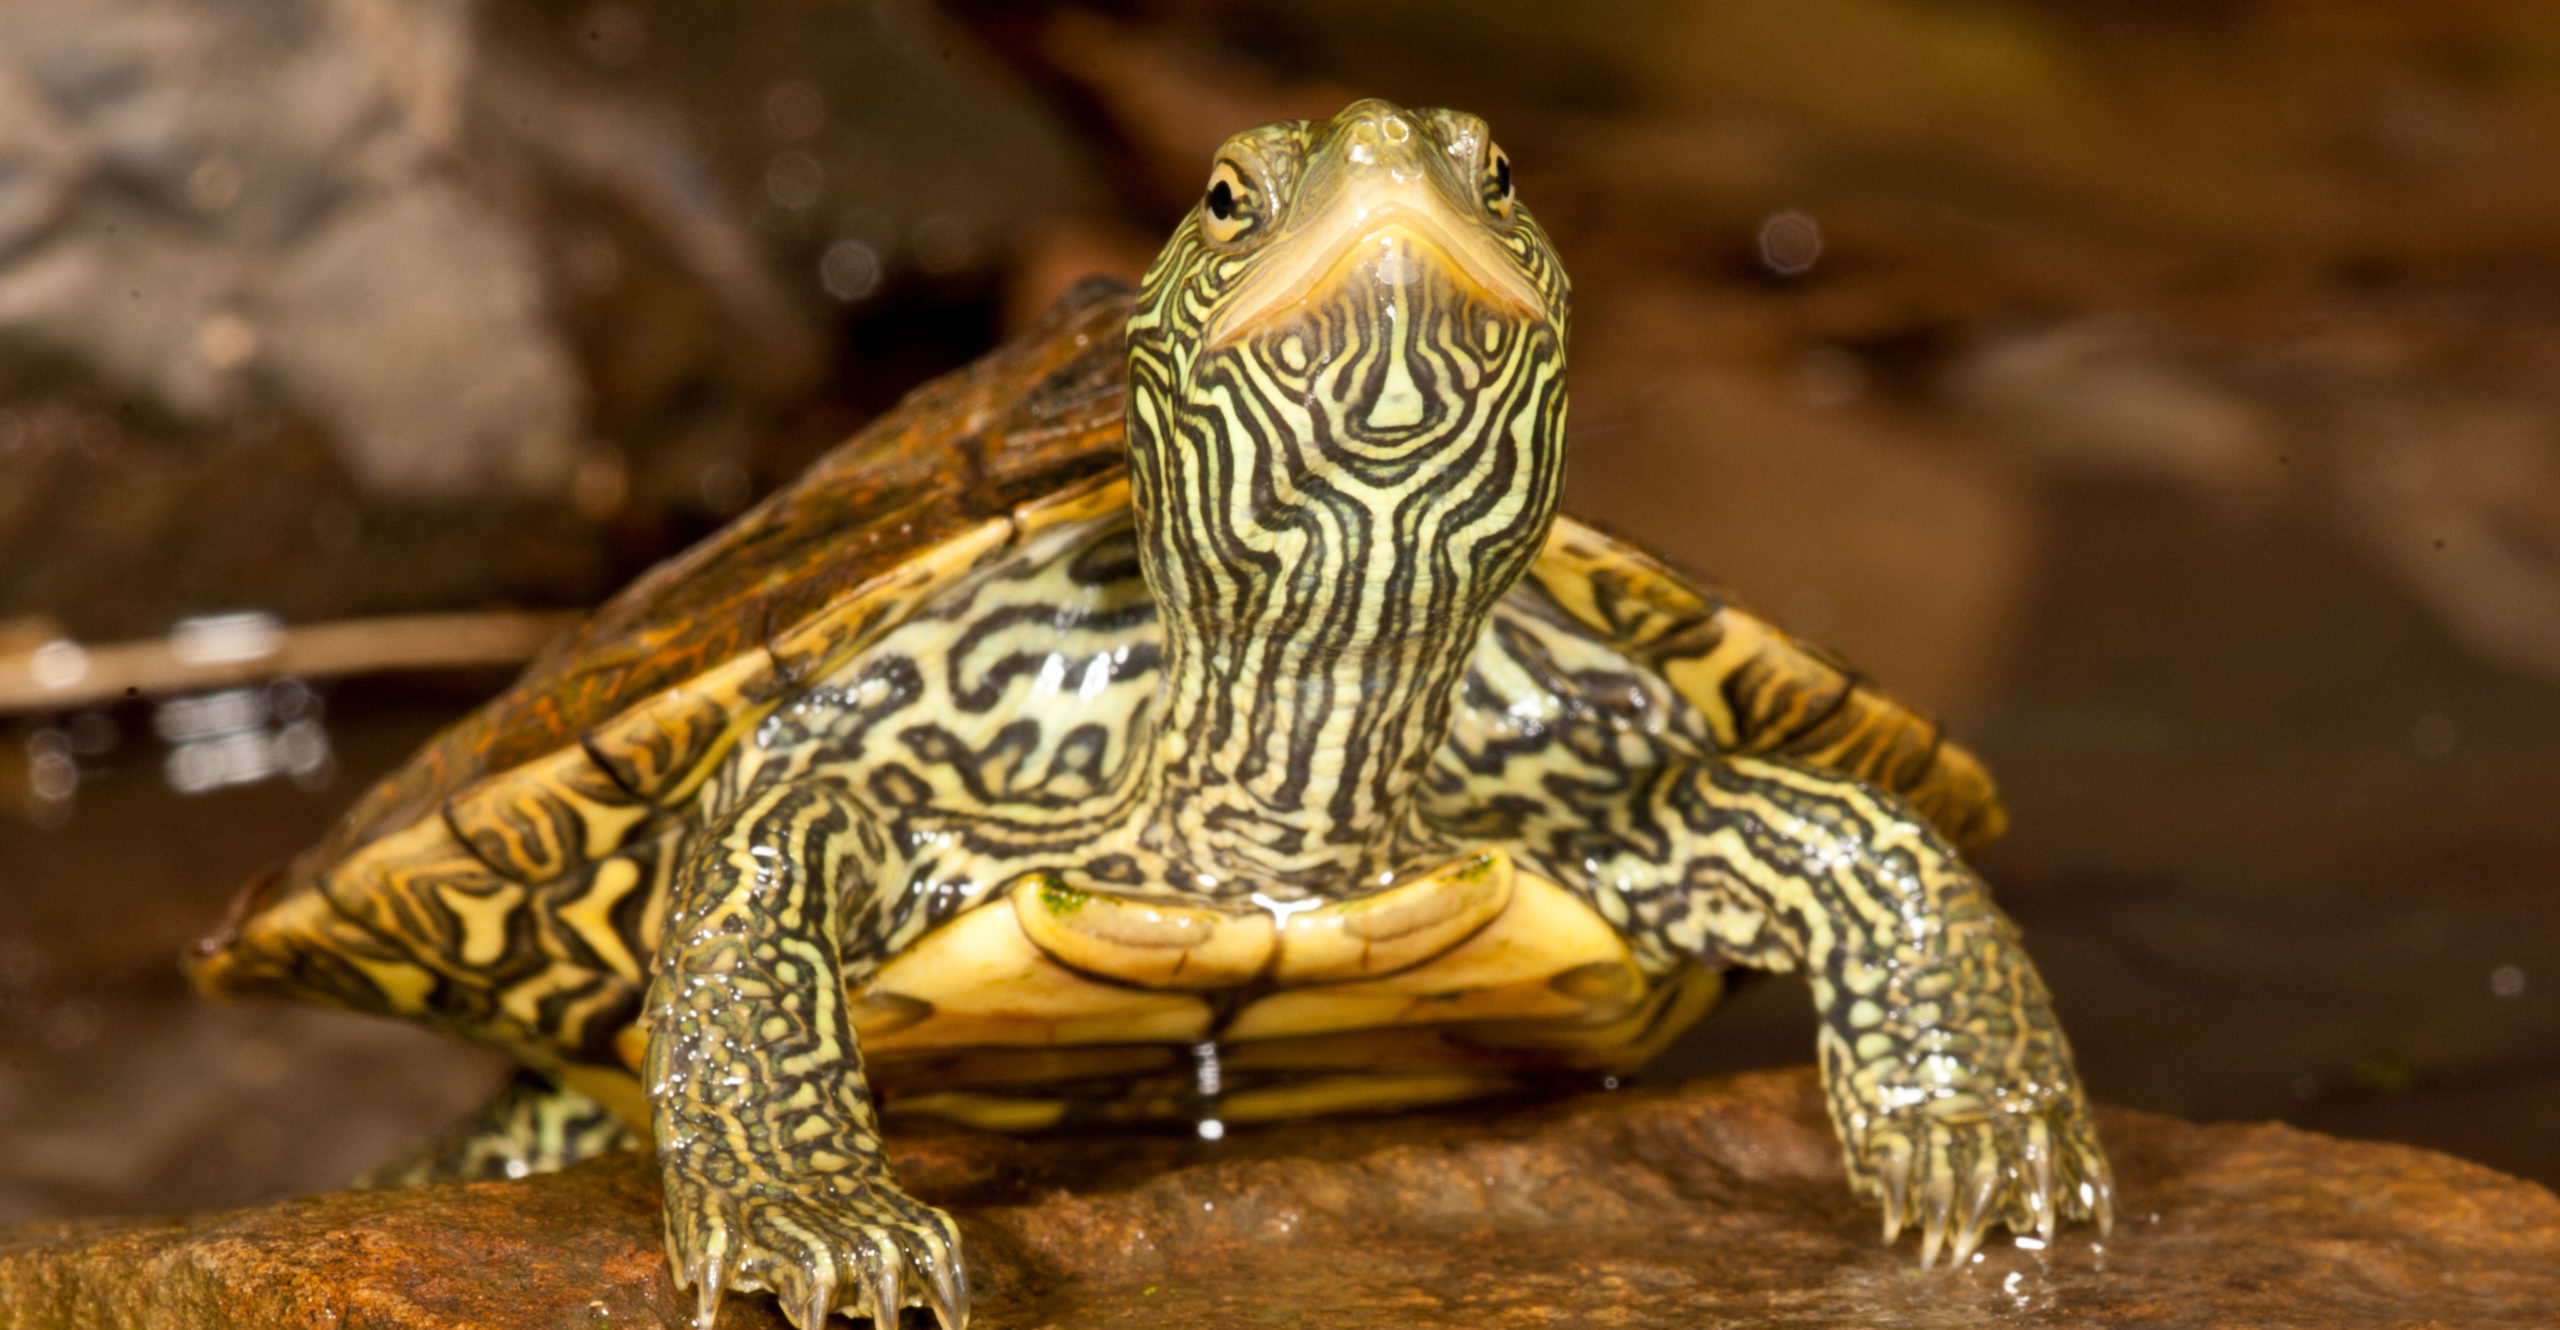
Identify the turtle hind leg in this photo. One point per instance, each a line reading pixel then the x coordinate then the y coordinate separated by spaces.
pixel 529 1126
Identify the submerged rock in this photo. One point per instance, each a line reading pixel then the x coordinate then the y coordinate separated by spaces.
pixel 1714 1202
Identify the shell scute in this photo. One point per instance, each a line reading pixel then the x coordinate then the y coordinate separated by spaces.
pixel 545 818
pixel 1756 672
pixel 302 947
pixel 662 749
pixel 647 752
pixel 831 636
pixel 607 917
pixel 578 1010
pixel 399 887
pixel 1605 585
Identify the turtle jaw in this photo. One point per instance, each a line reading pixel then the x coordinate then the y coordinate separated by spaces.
pixel 1381 239
pixel 1385 194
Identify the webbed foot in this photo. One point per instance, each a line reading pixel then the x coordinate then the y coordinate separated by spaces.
pixel 849 1242
pixel 1952 1166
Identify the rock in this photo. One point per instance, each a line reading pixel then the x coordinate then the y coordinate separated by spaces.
pixel 1713 1202
pixel 335 310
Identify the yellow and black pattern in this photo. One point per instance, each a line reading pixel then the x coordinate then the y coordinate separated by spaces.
pixel 1107 757
pixel 1332 495
pixel 531 1126
pixel 1762 691
pixel 1950 1082
pixel 775 1177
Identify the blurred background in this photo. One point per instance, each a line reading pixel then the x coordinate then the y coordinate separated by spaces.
pixel 2166 392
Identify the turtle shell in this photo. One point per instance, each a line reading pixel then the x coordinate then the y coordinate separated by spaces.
pixel 619 720
pixel 508 883
pixel 1038 415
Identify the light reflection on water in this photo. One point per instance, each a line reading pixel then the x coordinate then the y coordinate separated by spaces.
pixel 218 738
pixel 240 736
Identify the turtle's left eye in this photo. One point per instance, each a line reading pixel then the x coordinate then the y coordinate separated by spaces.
pixel 1229 208
pixel 1497 182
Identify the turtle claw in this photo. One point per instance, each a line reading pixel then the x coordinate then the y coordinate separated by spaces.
pixel 1893 1177
pixel 888 1288
pixel 847 1243
pixel 706 1301
pixel 2099 1193
pixel 2038 1153
pixel 946 1287
pixel 1981 1190
pixel 1937 1206
pixel 2028 1168
pixel 698 1254
pixel 809 1312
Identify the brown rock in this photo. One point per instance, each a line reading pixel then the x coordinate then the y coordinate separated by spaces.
pixel 1715 1202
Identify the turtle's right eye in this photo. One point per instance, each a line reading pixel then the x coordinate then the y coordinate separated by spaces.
pixel 1229 209
pixel 1498 198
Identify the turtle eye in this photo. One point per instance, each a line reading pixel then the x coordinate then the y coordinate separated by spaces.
pixel 1229 208
pixel 1497 182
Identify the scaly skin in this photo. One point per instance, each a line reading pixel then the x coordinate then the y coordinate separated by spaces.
pixel 775 1178
pixel 530 1126
pixel 1949 1079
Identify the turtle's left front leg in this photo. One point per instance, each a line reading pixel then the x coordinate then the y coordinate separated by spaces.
pixel 767 1139
pixel 1949 1080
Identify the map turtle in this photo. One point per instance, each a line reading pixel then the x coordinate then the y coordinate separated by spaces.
pixel 1199 712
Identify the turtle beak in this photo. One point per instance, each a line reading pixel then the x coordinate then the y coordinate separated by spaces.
pixel 1386 220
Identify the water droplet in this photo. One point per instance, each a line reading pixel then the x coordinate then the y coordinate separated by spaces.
pixel 795 179
pixel 1790 243
pixel 850 271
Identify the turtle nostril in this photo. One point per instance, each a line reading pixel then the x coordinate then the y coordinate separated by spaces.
pixel 1364 142
pixel 1396 130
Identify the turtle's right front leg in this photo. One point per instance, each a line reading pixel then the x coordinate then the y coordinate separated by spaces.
pixel 770 1149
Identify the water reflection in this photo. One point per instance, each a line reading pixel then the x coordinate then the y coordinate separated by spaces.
pixel 240 736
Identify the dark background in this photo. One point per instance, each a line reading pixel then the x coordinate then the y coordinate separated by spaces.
pixel 2166 393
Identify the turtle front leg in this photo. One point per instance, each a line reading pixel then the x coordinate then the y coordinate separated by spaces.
pixel 1948 1078
pixel 769 1145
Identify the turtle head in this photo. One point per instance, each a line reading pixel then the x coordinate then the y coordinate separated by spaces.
pixel 1347 376
pixel 1346 442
